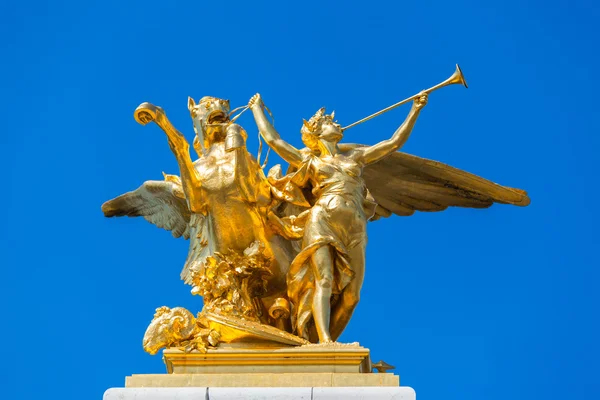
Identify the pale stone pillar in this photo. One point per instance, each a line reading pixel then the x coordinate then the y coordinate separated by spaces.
pixel 262 393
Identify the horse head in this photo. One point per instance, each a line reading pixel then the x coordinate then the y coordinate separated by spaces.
pixel 211 118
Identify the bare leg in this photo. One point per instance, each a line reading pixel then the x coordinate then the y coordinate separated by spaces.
pixel 322 265
pixel 350 295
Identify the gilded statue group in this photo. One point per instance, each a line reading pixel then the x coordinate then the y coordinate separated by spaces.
pixel 280 257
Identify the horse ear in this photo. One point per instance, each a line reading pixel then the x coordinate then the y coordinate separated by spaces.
pixel 191 103
pixel 333 115
pixel 306 124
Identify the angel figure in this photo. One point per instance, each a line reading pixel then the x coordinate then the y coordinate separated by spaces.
pixel 346 185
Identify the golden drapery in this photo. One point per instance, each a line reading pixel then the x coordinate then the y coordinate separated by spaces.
pixel 317 228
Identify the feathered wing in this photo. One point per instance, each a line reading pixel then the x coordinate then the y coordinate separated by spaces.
pixel 161 203
pixel 402 184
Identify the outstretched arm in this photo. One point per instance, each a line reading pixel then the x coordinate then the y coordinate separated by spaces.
pixel 288 152
pixel 180 147
pixel 382 149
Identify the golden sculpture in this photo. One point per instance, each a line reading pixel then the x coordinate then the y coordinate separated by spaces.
pixel 281 258
pixel 222 203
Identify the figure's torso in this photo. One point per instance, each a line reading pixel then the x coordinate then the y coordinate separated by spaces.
pixel 230 191
pixel 339 207
pixel 337 175
pixel 217 174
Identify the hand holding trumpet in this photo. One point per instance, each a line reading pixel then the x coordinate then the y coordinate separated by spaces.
pixel 420 100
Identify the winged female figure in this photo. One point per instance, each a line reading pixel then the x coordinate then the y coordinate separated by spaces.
pixel 346 185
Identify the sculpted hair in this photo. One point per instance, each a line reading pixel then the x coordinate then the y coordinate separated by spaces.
pixel 311 129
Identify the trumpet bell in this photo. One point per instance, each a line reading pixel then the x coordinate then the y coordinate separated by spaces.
pixel 456 77
pixel 459 77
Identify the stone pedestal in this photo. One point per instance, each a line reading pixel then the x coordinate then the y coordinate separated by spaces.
pixel 315 379
pixel 268 372
pixel 343 358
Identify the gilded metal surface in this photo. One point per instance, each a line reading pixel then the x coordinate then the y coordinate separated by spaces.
pixel 332 260
pixel 333 357
pixel 281 258
pixel 177 327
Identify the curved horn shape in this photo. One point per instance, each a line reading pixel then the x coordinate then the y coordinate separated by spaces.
pixel 183 322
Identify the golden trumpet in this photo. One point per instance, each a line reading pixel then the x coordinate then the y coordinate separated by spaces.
pixel 456 77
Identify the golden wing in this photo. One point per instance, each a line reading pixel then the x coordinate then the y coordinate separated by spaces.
pixel 161 203
pixel 402 184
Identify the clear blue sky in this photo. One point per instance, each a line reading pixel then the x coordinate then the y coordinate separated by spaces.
pixel 467 304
